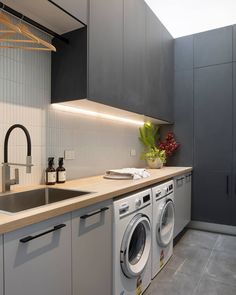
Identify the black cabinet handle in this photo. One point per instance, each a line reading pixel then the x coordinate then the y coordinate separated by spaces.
pixel 227 184
pixel 181 178
pixel 30 238
pixel 94 213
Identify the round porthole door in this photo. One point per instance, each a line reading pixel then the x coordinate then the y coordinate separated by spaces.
pixel 136 246
pixel 165 226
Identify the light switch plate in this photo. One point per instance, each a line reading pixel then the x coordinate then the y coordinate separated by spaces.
pixel 69 155
pixel 133 152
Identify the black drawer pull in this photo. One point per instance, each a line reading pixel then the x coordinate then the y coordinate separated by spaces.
pixel 30 238
pixel 94 213
pixel 179 179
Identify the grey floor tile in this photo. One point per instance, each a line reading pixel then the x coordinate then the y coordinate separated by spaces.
pixel 222 267
pixel 189 259
pixel 210 286
pixel 226 244
pixel 168 282
pixel 199 238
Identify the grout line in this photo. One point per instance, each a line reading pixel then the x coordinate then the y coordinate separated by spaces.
pixel 205 267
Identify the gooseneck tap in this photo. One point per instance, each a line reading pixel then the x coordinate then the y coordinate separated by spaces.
pixel 6 179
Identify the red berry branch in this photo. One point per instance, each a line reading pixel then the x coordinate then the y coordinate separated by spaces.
pixel 169 145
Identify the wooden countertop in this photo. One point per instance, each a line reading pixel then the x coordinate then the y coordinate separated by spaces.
pixel 102 189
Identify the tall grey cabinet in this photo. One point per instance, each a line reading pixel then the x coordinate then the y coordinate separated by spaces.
pixel 204 74
pixel 92 250
pixel 37 258
pixel 1 265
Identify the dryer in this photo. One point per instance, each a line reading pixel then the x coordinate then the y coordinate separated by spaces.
pixel 132 243
pixel 163 215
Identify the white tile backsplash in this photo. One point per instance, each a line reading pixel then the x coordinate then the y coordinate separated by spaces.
pixel 25 79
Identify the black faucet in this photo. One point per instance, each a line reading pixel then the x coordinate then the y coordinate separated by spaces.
pixel 6 180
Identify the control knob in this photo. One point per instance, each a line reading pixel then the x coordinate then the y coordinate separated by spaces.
pixel 138 203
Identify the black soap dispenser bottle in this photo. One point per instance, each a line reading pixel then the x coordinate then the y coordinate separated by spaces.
pixel 50 172
pixel 61 171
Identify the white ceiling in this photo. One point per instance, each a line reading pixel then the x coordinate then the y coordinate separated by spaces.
pixel 187 17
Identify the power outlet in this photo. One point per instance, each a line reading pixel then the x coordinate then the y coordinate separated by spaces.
pixel 133 152
pixel 69 155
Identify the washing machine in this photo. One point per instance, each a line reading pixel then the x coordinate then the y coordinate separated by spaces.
pixel 132 236
pixel 163 214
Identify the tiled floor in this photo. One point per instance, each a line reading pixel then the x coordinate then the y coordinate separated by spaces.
pixel 203 264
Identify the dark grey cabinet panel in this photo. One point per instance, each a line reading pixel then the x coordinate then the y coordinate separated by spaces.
pixel 184 53
pixel 69 67
pixel 92 250
pixel 212 200
pixel 105 60
pixel 160 69
pixel 183 117
pixel 213 117
pixel 234 43
pixel 134 54
pixel 213 47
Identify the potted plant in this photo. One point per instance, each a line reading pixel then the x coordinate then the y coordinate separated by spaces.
pixel 149 135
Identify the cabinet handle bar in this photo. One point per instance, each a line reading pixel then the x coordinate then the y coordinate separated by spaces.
pixel 30 238
pixel 94 213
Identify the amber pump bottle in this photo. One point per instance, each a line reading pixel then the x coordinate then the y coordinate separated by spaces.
pixel 50 172
pixel 61 171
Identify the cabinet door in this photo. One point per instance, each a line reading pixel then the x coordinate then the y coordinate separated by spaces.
pixel 213 47
pixel 92 250
pixel 1 265
pixel 160 68
pixel 106 51
pixel 42 265
pixel 212 200
pixel 188 198
pixel 179 188
pixel 183 117
pixel 184 53
pixel 212 104
pixel 234 143
pixel 134 54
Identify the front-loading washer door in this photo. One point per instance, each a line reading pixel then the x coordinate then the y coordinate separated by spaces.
pixel 165 226
pixel 136 246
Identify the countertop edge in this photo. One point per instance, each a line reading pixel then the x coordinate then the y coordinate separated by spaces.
pixel 16 221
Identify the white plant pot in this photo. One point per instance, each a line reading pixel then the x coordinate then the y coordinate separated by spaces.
pixel 156 164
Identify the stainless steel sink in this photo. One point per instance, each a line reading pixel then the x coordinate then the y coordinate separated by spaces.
pixel 16 202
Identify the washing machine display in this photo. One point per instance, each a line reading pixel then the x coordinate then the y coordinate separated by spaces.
pixel 136 246
pixel 132 243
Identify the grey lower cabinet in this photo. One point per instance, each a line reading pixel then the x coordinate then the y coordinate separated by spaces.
pixel 41 265
pixel 92 250
pixel 183 192
pixel 1 265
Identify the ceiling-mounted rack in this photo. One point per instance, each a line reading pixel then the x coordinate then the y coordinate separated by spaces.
pixel 31 22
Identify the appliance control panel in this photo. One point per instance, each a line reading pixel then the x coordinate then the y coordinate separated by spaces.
pixel 133 203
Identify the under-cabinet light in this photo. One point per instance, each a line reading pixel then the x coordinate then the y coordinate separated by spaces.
pixel 81 111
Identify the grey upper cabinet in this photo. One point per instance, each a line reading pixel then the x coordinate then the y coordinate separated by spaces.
pixel 234 43
pixel 134 54
pixel 127 60
pixel 1 265
pixel 184 53
pixel 183 118
pixel 42 265
pixel 213 47
pixel 92 250
pixel 105 51
pixel 212 200
pixel 159 69
pixel 213 103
